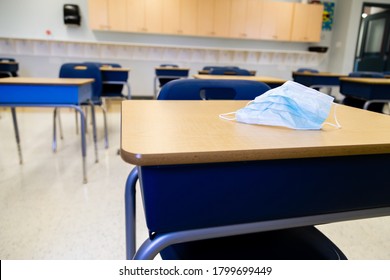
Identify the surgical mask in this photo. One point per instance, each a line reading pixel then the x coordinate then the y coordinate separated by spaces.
pixel 291 105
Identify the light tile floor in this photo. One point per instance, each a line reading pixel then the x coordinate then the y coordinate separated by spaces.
pixel 47 213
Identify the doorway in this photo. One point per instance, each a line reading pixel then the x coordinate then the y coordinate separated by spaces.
pixel 373 45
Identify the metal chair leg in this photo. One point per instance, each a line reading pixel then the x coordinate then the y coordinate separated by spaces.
pixel 105 127
pixel 94 131
pixel 130 211
pixel 54 143
pixel 17 136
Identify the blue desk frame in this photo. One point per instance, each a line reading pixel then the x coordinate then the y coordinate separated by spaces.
pixel 27 92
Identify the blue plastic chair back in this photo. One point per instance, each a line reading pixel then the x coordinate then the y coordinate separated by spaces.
pixel 229 71
pixel 84 70
pixel 208 68
pixel 366 74
pixel 194 89
pixel 307 70
pixel 7 70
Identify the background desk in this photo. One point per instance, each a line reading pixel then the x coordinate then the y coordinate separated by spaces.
pixel 47 92
pixel 318 80
pixel 271 81
pixel 204 177
pixel 372 90
pixel 8 68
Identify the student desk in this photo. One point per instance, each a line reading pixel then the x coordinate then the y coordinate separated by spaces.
pixel 116 76
pixel 204 177
pixel 316 80
pixel 47 92
pixel 373 90
pixel 270 81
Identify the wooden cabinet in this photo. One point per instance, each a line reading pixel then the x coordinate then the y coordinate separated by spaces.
pixel 144 16
pixel 180 17
pixel 276 20
pixel 213 18
pixel 245 18
pixel 307 22
pixel 107 15
pixel 117 15
pixel 249 19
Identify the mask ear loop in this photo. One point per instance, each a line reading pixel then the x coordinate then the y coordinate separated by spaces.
pixel 337 125
pixel 224 115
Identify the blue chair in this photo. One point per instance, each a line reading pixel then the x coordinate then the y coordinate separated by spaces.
pixel 92 71
pixel 355 101
pixel 8 67
pixel 208 68
pixel 307 70
pixel 229 71
pixel 196 89
pixel 166 73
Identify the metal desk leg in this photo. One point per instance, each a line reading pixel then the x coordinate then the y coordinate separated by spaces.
pixel 130 213
pixel 83 143
pixel 13 112
pixel 94 131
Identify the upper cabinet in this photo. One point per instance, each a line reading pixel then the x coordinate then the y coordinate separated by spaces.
pixel 180 17
pixel 307 22
pixel 107 15
pixel 213 18
pixel 144 16
pixel 246 19
pixel 276 20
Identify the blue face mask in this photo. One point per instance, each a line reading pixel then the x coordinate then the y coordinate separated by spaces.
pixel 291 105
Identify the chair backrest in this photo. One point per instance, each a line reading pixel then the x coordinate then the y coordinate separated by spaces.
pixel 84 70
pixel 194 89
pixel 7 70
pixel 169 65
pixel 229 71
pixel 216 67
pixel 307 70
pixel 367 74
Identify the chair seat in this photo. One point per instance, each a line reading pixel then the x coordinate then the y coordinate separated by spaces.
pixel 304 243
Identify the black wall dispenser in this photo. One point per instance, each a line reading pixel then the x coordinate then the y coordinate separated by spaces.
pixel 72 14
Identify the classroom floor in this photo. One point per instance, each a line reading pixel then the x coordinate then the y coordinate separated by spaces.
pixel 47 213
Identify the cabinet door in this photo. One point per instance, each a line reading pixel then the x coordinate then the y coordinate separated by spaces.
pixel 307 22
pixel 238 19
pixel 180 16
pixel 117 15
pixel 276 21
pixel 171 16
pixel 98 17
pixel 153 16
pixel 222 10
pixel 205 21
pixel 136 16
pixel 188 17
pixel 253 19
pixel 245 19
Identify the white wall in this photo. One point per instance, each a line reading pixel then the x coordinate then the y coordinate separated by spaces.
pixel 30 19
